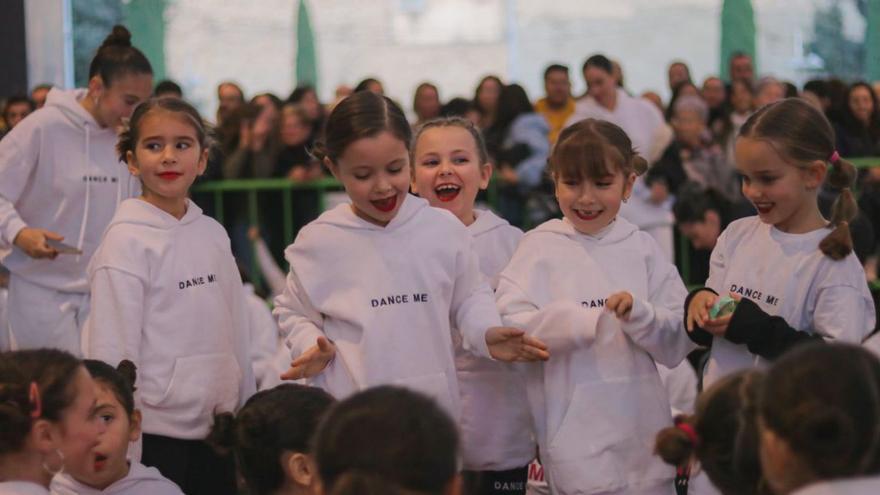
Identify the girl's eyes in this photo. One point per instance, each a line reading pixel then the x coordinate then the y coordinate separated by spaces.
pixel 395 171
pixel 183 145
pixel 431 162
pixel 106 417
pixel 603 184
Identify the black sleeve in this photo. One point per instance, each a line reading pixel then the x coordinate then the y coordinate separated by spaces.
pixel 764 335
pixel 698 336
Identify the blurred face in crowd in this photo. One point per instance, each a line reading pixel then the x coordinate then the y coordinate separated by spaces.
pixel 15 112
pixel 38 96
pixel 678 73
pixel 704 234
pixel 877 89
pixel 230 98
pixel 558 88
pixel 311 105
pixel 769 92
pixel 714 92
pixel 860 104
pixel 294 130
pixel 689 128
pixel 741 98
pixel 600 84
pixel 654 98
pixel 688 89
pixel 487 95
pixel 741 68
pixel 427 103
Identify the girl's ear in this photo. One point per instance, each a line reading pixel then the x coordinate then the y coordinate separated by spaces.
pixel 628 185
pixel 332 167
pixel 486 170
pixel 814 174
pixel 132 164
pixel 43 436
pixel 299 468
pixel 96 88
pixel 134 426
pixel 203 160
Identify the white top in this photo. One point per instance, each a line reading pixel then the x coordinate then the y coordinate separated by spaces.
pixel 265 340
pixel 598 402
pixel 166 294
pixel 855 486
pixel 387 297
pixel 59 171
pixel 22 488
pixel 141 480
pixel 501 440
pixel 786 275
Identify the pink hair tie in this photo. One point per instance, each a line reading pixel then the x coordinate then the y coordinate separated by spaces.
pixel 835 157
pixel 689 431
pixel 35 402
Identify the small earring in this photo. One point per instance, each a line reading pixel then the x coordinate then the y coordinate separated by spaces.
pixel 625 200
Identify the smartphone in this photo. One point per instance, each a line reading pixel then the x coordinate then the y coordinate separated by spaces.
pixel 62 248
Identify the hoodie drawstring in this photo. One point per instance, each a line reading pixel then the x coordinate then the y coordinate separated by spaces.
pixel 82 228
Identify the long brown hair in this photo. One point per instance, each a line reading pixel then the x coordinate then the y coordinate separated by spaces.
pixel 594 148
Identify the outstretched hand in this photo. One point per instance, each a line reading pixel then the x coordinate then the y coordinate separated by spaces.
pixel 311 362
pixel 512 344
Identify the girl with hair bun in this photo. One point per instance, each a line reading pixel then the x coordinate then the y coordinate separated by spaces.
pixel 61 181
pixel 793 271
pixel 820 422
pixel 47 418
pixel 108 469
pixel 603 297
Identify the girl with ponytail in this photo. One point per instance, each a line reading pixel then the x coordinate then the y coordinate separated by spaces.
pixel 793 271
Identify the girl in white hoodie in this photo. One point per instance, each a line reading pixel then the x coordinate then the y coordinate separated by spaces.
pixel 820 422
pixel 450 166
pixel 604 298
pixel 60 180
pixel 375 285
pixel 166 295
pixel 107 469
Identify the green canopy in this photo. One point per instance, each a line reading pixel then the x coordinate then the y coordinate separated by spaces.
pixel 146 21
pixel 306 60
pixel 872 41
pixel 737 33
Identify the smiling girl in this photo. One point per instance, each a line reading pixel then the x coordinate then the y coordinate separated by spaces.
pixel 794 271
pixel 166 295
pixel 375 285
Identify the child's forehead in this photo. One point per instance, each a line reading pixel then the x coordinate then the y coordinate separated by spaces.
pixel 161 121
pixel 446 138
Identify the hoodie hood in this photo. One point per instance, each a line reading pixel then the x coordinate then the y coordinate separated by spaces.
pixel 138 212
pixel 68 103
pixel 617 231
pixel 140 480
pixel 343 216
pixel 486 221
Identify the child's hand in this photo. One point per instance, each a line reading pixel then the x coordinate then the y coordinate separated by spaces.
pixel 311 362
pixel 698 309
pixel 512 344
pixel 33 242
pixel 253 233
pixel 621 303
pixel 718 326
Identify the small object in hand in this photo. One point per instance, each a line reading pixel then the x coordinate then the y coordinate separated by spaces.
pixel 724 306
pixel 62 248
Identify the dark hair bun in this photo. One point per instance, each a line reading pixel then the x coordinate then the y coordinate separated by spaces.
pixel 640 165
pixel 674 446
pixel 222 435
pixel 120 36
pixel 129 372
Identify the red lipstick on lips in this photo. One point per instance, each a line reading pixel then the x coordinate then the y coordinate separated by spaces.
pixel 587 217
pixel 170 175
pixel 385 205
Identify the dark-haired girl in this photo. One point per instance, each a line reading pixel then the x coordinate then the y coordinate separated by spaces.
pixel 107 469
pixel 794 271
pixel 60 180
pixel 166 295
pixel 48 420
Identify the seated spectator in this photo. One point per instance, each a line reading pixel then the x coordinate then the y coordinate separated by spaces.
pixel 370 84
pixel 558 105
pixel 16 109
pixel 859 132
pixel 742 68
pixel 294 160
pixel 39 93
pixel 686 88
pixel 307 98
pixel 461 107
pixel 426 103
pixel 230 98
pixel 816 90
pixel 486 100
pixel 677 74
pixel 769 91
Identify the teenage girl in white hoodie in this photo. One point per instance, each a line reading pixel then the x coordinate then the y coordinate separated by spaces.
pixel 375 285
pixel 450 166
pixel 166 295
pixel 794 272
pixel 60 180
pixel 604 298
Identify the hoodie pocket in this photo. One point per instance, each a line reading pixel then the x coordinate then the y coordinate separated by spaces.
pixel 604 442
pixel 201 386
pixel 435 386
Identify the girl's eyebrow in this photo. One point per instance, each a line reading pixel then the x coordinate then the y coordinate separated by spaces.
pixel 181 137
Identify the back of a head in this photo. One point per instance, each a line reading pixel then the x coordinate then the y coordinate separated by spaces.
pixel 34 384
pixel 271 422
pixel 387 440
pixel 823 400
pixel 726 435
pixel 363 114
pixel 693 201
pixel 117 57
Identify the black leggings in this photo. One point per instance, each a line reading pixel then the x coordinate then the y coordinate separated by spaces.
pixel 192 464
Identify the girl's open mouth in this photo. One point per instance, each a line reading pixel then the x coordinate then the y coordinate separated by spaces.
pixel 170 175
pixel 385 205
pixel 100 461
pixel 447 192
pixel 587 215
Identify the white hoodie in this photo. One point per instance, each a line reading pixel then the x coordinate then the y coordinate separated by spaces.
pixel 21 488
pixel 503 439
pixel 786 275
pixel 386 297
pixel 141 480
pixel 59 171
pixel 166 294
pixel 852 486
pixel 598 402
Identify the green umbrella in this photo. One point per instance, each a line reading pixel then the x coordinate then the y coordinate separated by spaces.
pixel 306 60
pixel 146 21
pixel 872 41
pixel 737 32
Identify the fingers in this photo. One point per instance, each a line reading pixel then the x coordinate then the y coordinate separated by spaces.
pixel 293 373
pixel 529 353
pixel 533 342
pixel 324 345
pixel 52 235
